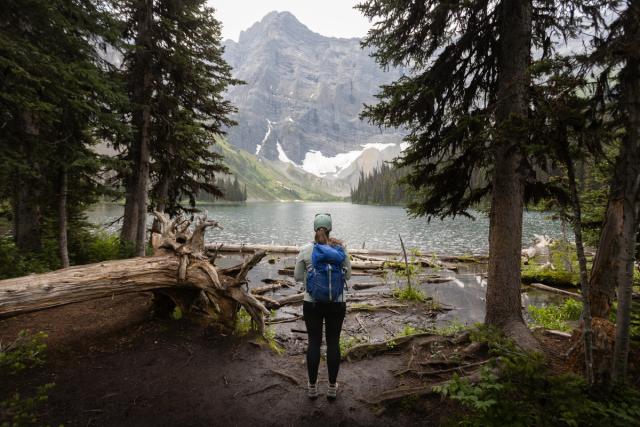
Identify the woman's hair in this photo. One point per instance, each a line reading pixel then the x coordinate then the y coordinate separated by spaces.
pixel 322 237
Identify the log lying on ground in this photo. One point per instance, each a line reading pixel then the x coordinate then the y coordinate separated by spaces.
pixel 179 271
pixel 554 290
pixel 281 249
pixel 271 287
pixel 360 286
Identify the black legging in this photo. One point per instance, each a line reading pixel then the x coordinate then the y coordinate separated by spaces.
pixel 333 315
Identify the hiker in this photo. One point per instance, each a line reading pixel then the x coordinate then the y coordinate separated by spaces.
pixel 324 267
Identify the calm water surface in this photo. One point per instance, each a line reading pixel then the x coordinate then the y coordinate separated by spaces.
pixel 372 226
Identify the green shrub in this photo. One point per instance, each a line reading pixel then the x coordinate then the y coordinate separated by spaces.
pixel 347 343
pixel 244 322
pixel 26 352
pixel 557 278
pixel 407 293
pixel 556 316
pixel 518 390
pixel 13 263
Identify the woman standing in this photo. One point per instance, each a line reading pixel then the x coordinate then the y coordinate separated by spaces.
pixel 324 267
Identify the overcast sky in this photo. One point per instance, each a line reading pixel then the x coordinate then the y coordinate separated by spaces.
pixel 335 18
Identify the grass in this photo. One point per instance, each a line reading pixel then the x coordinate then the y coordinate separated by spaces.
pixel 244 323
pixel 556 316
pixel 561 254
pixel 407 293
pixel 347 343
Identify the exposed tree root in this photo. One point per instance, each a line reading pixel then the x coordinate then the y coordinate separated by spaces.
pixel 460 368
pixel 179 271
pixel 361 351
pixel 399 393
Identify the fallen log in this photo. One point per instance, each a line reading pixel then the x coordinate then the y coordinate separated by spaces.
pixel 179 271
pixel 291 299
pixel 554 290
pixel 289 272
pixel 270 303
pixel 371 307
pixel 361 286
pixel 284 249
pixel 268 288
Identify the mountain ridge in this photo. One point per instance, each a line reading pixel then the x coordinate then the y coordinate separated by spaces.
pixel 304 95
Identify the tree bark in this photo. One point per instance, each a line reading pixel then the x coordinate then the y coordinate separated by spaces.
pixel 135 220
pixel 507 198
pixel 630 174
pixel 130 220
pixel 582 262
pixel 63 249
pixel 179 270
pixel 27 218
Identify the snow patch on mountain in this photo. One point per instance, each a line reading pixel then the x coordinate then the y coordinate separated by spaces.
pixel 266 136
pixel 320 165
pixel 282 156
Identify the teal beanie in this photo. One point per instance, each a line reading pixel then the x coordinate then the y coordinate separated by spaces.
pixel 322 220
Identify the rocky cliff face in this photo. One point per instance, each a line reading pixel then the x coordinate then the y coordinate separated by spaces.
pixel 303 96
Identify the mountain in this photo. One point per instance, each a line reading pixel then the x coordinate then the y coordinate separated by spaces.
pixel 269 180
pixel 301 102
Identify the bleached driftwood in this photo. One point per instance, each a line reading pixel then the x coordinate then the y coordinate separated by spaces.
pixel 179 270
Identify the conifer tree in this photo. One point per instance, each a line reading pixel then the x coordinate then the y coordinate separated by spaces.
pixel 465 105
pixel 190 110
pixel 618 56
pixel 55 100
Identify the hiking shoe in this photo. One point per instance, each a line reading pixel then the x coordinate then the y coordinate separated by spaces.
pixel 312 390
pixel 332 391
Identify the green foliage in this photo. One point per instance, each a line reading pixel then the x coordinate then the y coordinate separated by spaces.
pixel 451 329
pixel 85 247
pixel 381 187
pixel 101 246
pixel 409 330
pixel 244 323
pixel 19 411
pixel 13 263
pixel 270 337
pixel 177 313
pixel 634 326
pixel 561 254
pixel 231 190
pixel 556 316
pixel 264 180
pixel 407 293
pixel 26 352
pixel 347 343
pixel 517 389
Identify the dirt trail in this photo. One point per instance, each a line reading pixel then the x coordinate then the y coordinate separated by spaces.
pixel 116 365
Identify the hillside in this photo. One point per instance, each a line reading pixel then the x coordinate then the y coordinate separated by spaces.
pixel 268 181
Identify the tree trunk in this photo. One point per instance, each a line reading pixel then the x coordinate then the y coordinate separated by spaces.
pixel 26 217
pixel 582 262
pixel 26 228
pixel 130 219
pixel 179 270
pixel 134 226
pixel 63 250
pixel 630 174
pixel 503 308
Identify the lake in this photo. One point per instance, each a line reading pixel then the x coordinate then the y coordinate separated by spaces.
pixel 290 223
pixel 376 227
